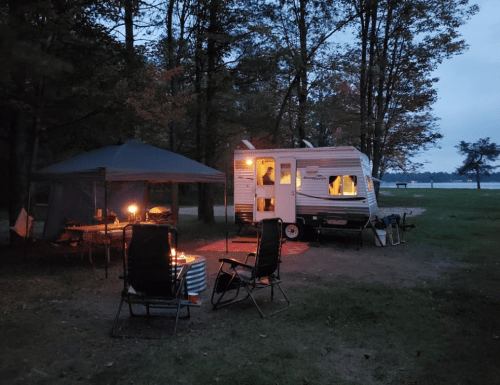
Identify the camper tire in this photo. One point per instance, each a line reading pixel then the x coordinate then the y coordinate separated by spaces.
pixel 294 231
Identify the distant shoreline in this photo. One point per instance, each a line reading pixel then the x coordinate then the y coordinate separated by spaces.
pixel 444 185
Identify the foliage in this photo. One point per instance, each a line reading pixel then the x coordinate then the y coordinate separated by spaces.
pixel 300 31
pixel 400 43
pixel 153 102
pixel 74 77
pixel 478 155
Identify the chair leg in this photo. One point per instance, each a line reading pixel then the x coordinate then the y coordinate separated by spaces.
pixel 254 302
pixel 218 301
pixel 177 316
pixel 117 318
pixel 272 295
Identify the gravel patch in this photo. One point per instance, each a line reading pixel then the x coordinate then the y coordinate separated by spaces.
pixel 410 211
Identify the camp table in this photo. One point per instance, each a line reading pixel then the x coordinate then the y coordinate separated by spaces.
pixel 90 235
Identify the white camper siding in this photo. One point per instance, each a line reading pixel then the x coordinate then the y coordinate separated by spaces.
pixel 244 185
pixel 315 165
pixel 313 196
pixel 372 199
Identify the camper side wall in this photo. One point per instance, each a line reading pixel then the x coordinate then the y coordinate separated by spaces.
pixel 333 187
pixel 244 194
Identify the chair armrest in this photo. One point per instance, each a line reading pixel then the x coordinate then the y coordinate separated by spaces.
pixel 234 263
pixel 250 255
pixel 181 280
pixel 183 272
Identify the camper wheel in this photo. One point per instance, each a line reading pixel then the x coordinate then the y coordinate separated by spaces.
pixel 294 231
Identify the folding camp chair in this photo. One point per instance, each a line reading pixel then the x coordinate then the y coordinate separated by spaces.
pixel 263 273
pixel 151 278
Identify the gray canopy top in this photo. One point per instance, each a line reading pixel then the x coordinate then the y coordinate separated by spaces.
pixel 131 161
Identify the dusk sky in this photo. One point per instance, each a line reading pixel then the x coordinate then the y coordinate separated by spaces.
pixel 469 91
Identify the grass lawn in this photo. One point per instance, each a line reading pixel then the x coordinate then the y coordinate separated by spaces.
pixel 445 333
pixel 339 330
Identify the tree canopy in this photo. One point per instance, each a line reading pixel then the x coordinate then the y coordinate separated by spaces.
pixel 478 155
pixel 196 77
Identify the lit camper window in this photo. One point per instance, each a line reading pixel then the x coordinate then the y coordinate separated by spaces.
pixel 343 185
pixel 369 183
pixel 265 179
pixel 265 171
pixel 285 173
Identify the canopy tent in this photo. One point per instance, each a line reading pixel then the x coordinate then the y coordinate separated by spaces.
pixel 131 161
pixel 77 179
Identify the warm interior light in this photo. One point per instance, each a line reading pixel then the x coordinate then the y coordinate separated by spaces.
pixel 132 209
pixel 183 258
pixel 249 162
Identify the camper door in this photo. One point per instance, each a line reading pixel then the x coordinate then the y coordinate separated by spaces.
pixel 285 189
pixel 264 188
pixel 275 189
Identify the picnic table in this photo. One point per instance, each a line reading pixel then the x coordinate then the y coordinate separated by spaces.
pixel 401 184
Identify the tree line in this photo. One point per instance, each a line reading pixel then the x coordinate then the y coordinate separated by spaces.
pixel 197 77
pixel 436 177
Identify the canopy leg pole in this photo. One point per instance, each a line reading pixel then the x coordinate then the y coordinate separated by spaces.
pixel 27 223
pixel 106 228
pixel 225 210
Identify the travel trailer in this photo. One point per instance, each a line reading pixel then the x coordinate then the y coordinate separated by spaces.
pixel 305 187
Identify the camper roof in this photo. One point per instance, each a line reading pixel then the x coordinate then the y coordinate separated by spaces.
pixel 307 149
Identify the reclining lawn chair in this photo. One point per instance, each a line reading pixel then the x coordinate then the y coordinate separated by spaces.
pixel 150 275
pixel 262 273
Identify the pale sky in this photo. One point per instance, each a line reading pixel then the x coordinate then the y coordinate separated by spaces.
pixel 469 91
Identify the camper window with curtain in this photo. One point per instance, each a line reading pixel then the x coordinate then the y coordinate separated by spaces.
pixel 369 183
pixel 343 185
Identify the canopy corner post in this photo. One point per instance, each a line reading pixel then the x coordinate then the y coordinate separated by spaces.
pixel 225 212
pixel 106 249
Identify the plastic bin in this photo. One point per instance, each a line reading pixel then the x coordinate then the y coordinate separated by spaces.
pixel 382 235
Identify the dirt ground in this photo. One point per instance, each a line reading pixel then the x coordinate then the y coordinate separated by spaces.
pixel 57 311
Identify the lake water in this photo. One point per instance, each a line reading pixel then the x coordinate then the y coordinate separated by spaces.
pixel 465 185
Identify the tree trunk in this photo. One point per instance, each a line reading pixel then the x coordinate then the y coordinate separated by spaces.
pixel 303 83
pixel 373 13
pixel 365 22
pixel 199 71
pixel 174 92
pixel 478 178
pixel 19 159
pixel 381 97
pixel 211 108
pixel 129 31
